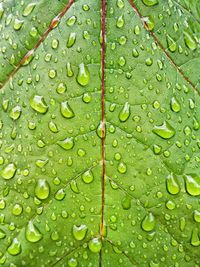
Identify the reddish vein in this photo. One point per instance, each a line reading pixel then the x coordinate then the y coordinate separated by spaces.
pixel 163 49
pixel 103 113
pixel 51 26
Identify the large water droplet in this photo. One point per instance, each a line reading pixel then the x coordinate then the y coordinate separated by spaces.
pixel 66 110
pixel 87 177
pixel 9 171
pixel 195 241
pixel 71 39
pixel 175 105
pixel 79 232
pixel 38 103
pixel 150 2
pixel 32 233
pixel 148 222
pixel 28 9
pixel 189 41
pixel 172 184
pixel 67 143
pixel 166 131
pixel 42 189
pixel 15 247
pixel 83 76
pixel 95 245
pixel 125 112
pixel 171 43
pixel 192 182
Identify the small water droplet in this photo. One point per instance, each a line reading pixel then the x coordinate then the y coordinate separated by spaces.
pixel 172 46
pixel 15 112
pixel 18 24
pixel 79 232
pixel 42 189
pixel 197 216
pixel 71 39
pixel 28 9
pixel 61 88
pixel 71 20
pixel 101 130
pixel 60 194
pixel 120 22
pixel 87 177
pixel 175 105
pixel 189 41
pixel 166 131
pixel 150 2
pixel 195 241
pixel 122 167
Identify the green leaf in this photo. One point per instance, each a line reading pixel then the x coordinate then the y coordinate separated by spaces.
pixel 99 133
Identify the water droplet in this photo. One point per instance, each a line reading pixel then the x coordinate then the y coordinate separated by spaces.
pixel 149 61
pixel 17 209
pixel 192 182
pixel 125 112
pixel 122 167
pixel 9 171
pixel 15 247
pixel 71 20
pixel 18 24
pixel 87 177
pixel 74 187
pixel 150 23
pixel 71 40
pixel 15 112
pixel 120 22
pixel 172 46
pixel 126 203
pixel 28 9
pixel 166 131
pixel 87 97
pixel 95 245
pixel 197 216
pixel 1 10
pixel 83 77
pixel 195 241
pixel 61 88
pixel 38 103
pixel 67 143
pixel 29 56
pixel 150 2
pixel 2 234
pixel 172 184
pixel 60 194
pixel 135 52
pixel 175 105
pixel 70 72
pixel 101 130
pixel 53 127
pixel 42 189
pixel 79 232
pixel 148 223
pixel 32 233
pixel 72 262
pixel 66 110
pixel 189 41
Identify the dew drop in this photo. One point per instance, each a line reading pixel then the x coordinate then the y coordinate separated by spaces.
pixel 66 110
pixel 172 46
pixel 192 182
pixel 9 171
pixel 87 177
pixel 125 112
pixel 17 209
pixel 197 216
pixel 72 262
pixel 172 184
pixel 18 24
pixel 71 40
pixel 166 131
pixel 61 88
pixel 189 41
pixel 2 234
pixel 60 194
pixel 120 22
pixel 148 223
pixel 71 20
pixel 83 76
pixel 38 103
pixel 32 233
pixel 79 232
pixel 28 9
pixel 15 247
pixel 67 143
pixel 122 167
pixel 95 245
pixel 195 241
pixel 15 112
pixel 175 105
pixel 42 189
pixel 53 127
pixel 101 130
pixel 150 2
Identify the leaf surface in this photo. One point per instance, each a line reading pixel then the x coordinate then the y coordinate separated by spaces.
pixel 99 128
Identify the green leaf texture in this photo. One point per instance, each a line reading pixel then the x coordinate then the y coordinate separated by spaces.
pixel 100 133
